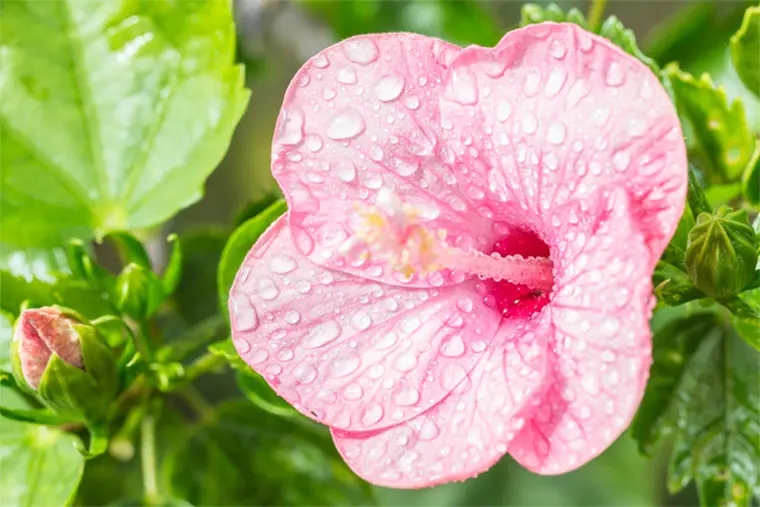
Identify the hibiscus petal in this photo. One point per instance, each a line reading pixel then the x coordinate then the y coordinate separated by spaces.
pixel 467 432
pixel 360 116
pixel 347 351
pixel 601 349
pixel 553 113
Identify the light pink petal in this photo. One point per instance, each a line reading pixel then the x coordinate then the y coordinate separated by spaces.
pixel 361 115
pixel 554 113
pixel 347 351
pixel 467 432
pixel 601 350
pixel 34 355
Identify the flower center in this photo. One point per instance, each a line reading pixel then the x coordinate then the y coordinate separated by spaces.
pixel 517 269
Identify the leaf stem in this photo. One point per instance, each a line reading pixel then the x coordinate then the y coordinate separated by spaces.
pixel 204 364
pixel 148 458
pixel 595 14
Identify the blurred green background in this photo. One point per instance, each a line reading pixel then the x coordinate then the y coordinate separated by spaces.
pixel 276 37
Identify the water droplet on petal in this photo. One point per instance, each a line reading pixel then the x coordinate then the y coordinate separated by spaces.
pixel 462 87
pixel 621 160
pixel 555 82
pixel 328 94
pixel 282 264
pixel 258 356
pixel 243 313
pixel 314 143
pixel 615 74
pixel 389 88
pixel 410 324
pixel 376 153
pixel 372 415
pixel 361 50
pixel 343 366
pixel 429 430
pixel 320 61
pixel 555 134
pixel 345 171
pixel 454 347
pixel 292 317
pixel 242 346
pixel 465 305
pixel 405 363
pixel 530 123
pixel 406 397
pixel 503 110
pixel 403 167
pixel 412 102
pixel 451 376
pixel 346 125
pixel 322 334
pixel 557 49
pixel 267 289
pixel 304 242
pixel 361 321
pixel 290 127
pixel 305 373
pixel 352 392
pixel 347 75
pixel 532 81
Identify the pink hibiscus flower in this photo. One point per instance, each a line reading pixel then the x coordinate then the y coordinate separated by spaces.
pixel 464 270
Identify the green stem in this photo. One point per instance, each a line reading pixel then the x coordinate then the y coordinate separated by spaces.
pixel 148 458
pixel 206 363
pixel 144 345
pixel 696 196
pixel 595 14
pixel 206 411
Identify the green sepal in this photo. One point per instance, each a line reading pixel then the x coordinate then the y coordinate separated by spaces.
pixel 173 271
pixel 613 30
pixel 722 253
pixel 99 360
pixel 84 267
pixel 675 252
pixel 71 392
pixel 531 14
pixel 138 292
pixel 99 437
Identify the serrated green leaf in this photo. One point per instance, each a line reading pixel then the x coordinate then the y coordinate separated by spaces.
pixel 239 244
pixel 745 50
pixel 294 462
pixel 40 465
pixel 113 113
pixel 716 419
pixel 718 137
pixel 613 30
pixel 533 13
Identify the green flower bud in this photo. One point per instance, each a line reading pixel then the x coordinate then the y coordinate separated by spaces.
pixel 63 359
pixel 138 291
pixel 722 252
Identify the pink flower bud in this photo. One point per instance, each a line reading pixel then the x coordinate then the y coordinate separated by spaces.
pixel 42 332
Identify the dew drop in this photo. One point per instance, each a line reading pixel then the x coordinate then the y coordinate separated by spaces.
pixel 406 397
pixel 267 289
pixel 451 376
pixel 361 50
pixel 242 346
pixel 322 334
pixel 555 82
pixel 361 321
pixel 410 324
pixel 462 87
pixel 328 94
pixel 465 305
pixel 314 143
pixel 345 171
pixel 555 134
pixel 412 102
pixel 352 392
pixel 429 430
pixel 282 264
pixel 292 317
pixel 244 314
pixel 376 153
pixel 347 75
pixel 532 81
pixel 258 356
pixel 389 88
pixel 372 414
pixel 558 49
pixel 290 127
pixel 621 160
pixel 346 125
pixel 343 366
pixel 320 61
pixel 387 341
pixel 405 363
pixel 503 110
pixel 454 347
pixel 403 167
pixel 530 123
pixel 615 74
pixel 304 373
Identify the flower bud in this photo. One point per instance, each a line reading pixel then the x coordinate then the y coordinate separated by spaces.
pixel 42 332
pixel 722 252
pixel 65 361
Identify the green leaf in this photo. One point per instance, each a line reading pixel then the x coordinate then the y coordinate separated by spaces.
pixel 245 456
pixel 113 113
pixel 674 345
pixel 745 310
pixel 173 271
pixel 745 50
pixel 533 13
pixel 718 410
pixel 65 291
pixel 256 207
pixel 130 249
pixel 718 137
pixel 239 244
pixel 673 286
pixel 675 252
pixel 613 30
pixel 40 465
pixel 751 179
pixel 704 388
pixel 259 392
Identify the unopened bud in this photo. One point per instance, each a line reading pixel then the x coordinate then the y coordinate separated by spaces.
pixel 722 252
